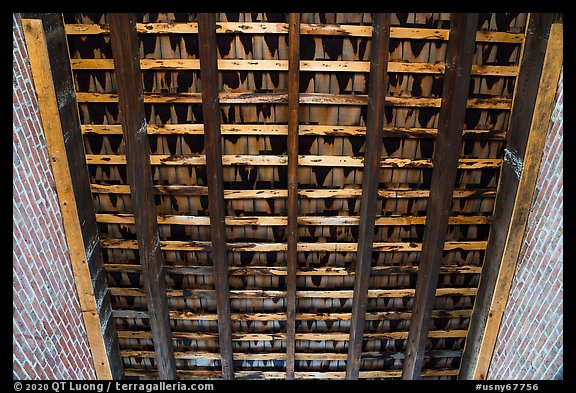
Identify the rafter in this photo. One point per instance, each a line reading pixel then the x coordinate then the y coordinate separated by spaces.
pixel 446 154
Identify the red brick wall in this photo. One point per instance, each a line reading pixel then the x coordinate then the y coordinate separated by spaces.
pixel 530 343
pixel 49 338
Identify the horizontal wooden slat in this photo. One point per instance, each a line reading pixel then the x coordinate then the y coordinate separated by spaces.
pixel 282 65
pixel 281 271
pixel 175 245
pixel 120 218
pixel 139 334
pixel 305 194
pixel 305 98
pixel 278 129
pixel 253 159
pixel 305 28
pixel 203 374
pixel 370 316
pixel 322 294
pixel 277 355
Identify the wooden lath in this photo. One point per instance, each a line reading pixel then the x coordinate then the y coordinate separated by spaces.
pixel 52 77
pixel 374 125
pixel 212 140
pixel 267 129
pixel 534 101
pixel 131 106
pixel 305 98
pixel 306 28
pixel 446 153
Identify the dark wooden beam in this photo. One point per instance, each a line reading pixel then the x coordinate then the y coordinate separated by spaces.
pixel 49 60
pixel 446 154
pixel 292 202
pixel 375 122
pixel 534 99
pixel 213 144
pixel 131 108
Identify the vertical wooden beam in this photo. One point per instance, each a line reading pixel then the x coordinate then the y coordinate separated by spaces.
pixel 131 108
pixel 446 154
pixel 213 144
pixel 374 124
pixel 534 101
pixel 292 235
pixel 49 60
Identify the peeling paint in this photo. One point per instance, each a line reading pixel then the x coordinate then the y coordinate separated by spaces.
pixel 94 241
pixel 65 94
pixel 512 158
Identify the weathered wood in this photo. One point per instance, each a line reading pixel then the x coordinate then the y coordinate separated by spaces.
pixel 374 124
pixel 292 199
pixel 213 145
pixel 282 271
pixel 529 123
pixel 307 194
pixel 278 129
pixel 277 355
pixel 305 98
pixel 201 374
pixel 176 245
pixel 121 218
pixel 131 108
pixel 306 28
pixel 321 294
pixel 52 77
pixel 282 65
pixel 446 154
pixel 370 316
pixel 282 337
pixel 329 161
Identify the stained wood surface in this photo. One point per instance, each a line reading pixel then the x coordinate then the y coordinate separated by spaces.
pixel 131 106
pixel 375 123
pixel 537 83
pixel 446 153
pixel 212 140
pixel 292 201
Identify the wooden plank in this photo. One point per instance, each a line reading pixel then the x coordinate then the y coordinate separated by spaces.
pixel 370 316
pixel 500 103
pixel 52 77
pixel 121 218
pixel 536 87
pixel 292 199
pixel 316 294
pixel 278 129
pixel 303 160
pixel 276 355
pixel 131 109
pixel 306 28
pixel 446 152
pixel 175 245
pixel 282 271
pixel 202 374
pixel 282 65
pixel 374 124
pixel 308 193
pixel 217 208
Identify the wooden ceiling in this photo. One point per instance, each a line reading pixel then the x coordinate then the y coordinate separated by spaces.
pixel 297 195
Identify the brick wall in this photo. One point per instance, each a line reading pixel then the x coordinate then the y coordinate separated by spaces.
pixel 49 338
pixel 530 341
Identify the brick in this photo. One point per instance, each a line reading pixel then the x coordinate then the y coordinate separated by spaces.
pixel 40 260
